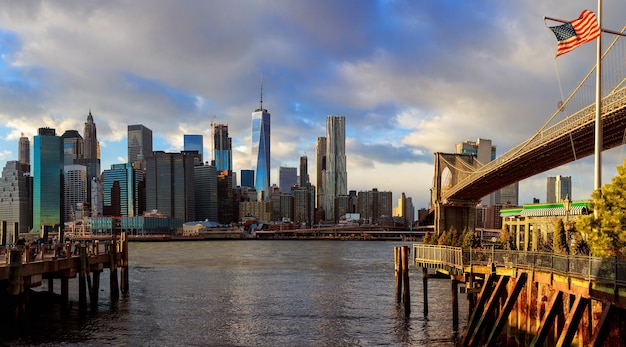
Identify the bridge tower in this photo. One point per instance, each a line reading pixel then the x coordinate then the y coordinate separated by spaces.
pixel 452 214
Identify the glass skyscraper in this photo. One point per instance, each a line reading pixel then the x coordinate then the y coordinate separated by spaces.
pixel 247 178
pixel 206 193
pixel 123 187
pixel 287 178
pixel 194 143
pixel 261 150
pixel 222 147
pixel 47 177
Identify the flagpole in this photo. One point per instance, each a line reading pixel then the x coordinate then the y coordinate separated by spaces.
pixel 597 182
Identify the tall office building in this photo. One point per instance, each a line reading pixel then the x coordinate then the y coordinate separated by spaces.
pixel 226 204
pixel 287 178
pixel 405 209
pixel 320 170
pixel 75 187
pixel 336 174
pixel 374 206
pixel 90 158
pixel 73 146
pixel 485 152
pixel 206 193
pixel 194 143
pixel 247 178
pixel 261 149
pixel 123 191
pixel 139 144
pixel 23 152
pixel 304 171
pixel 16 204
pixel 558 188
pixel 222 148
pixel 170 182
pixel 92 147
pixel 47 181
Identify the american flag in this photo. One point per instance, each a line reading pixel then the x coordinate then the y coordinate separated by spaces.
pixel 576 32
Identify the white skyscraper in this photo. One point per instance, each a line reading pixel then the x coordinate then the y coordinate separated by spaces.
pixel 336 174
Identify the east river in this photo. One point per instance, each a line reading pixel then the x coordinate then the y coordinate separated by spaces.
pixel 253 293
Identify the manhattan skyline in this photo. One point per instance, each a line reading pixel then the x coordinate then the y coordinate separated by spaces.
pixel 407 78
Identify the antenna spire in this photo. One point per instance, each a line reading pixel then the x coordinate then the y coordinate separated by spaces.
pixel 261 93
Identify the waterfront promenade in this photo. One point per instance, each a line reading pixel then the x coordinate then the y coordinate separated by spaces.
pixel 532 298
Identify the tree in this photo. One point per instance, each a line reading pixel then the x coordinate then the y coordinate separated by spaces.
pixel 471 239
pixel 426 239
pixel 606 234
pixel 444 238
pixel 507 238
pixel 560 238
pixel 455 239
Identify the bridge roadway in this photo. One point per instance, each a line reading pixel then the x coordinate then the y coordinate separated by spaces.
pixel 547 149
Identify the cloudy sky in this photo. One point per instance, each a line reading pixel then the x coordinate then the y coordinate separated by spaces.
pixel 411 77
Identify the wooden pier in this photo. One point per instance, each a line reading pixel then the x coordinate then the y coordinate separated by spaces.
pixel 531 298
pixel 24 267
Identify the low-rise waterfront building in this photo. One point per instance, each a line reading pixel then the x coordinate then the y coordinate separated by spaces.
pixel 533 221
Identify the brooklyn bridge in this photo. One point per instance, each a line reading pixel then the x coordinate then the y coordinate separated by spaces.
pixel 460 181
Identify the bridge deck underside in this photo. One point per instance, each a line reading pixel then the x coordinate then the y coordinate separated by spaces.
pixel 547 156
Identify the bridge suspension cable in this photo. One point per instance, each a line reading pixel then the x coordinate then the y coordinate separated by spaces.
pixel 576 109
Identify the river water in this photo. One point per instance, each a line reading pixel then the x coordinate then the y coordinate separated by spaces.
pixel 253 293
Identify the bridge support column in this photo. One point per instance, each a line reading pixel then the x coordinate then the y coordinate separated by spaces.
pixel 455 217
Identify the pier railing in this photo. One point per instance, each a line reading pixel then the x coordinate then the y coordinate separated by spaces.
pixel 457 260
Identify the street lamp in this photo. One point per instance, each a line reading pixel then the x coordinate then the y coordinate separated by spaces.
pixel 567 204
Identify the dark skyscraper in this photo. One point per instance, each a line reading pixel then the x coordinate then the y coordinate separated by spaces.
pixel 247 178
pixel 23 153
pixel 90 139
pixel 320 170
pixel 304 171
pixel 223 148
pixel 170 182
pixel 91 160
pixel 73 146
pixel 139 144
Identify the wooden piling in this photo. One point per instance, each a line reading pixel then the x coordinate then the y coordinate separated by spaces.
pixel 406 295
pixel 95 288
pixel 16 283
pixel 425 283
pixel 455 304
pixel 124 265
pixel 82 278
pixel 64 290
pixel 113 285
pixel 398 274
